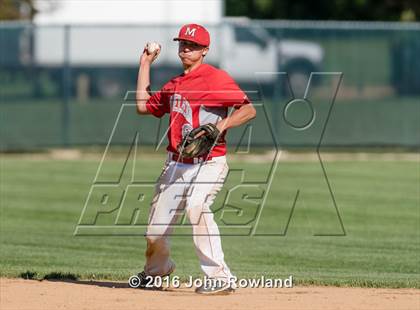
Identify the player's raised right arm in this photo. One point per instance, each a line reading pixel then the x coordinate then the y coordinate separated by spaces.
pixel 143 81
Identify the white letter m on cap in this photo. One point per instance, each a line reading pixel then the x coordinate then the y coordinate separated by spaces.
pixel 190 32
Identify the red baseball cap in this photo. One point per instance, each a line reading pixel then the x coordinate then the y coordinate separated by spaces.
pixel 194 33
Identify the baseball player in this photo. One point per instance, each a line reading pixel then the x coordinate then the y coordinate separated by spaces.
pixel 197 102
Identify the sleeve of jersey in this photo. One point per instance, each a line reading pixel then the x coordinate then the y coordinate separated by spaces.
pixel 225 92
pixel 158 104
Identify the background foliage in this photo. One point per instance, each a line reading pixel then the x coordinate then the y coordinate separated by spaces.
pixel 369 10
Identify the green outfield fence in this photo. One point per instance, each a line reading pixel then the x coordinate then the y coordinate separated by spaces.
pixel 65 86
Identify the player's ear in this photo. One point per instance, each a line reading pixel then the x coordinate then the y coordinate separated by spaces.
pixel 205 51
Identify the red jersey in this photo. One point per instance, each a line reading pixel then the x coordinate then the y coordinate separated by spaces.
pixel 199 97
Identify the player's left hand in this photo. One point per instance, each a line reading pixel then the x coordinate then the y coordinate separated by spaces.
pixel 221 125
pixel 199 141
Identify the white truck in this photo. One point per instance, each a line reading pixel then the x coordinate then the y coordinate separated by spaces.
pixel 249 52
pixel 107 55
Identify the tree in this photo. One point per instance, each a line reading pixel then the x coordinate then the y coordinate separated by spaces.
pixel 371 10
pixel 16 9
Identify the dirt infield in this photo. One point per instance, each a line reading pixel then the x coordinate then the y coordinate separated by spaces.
pixel 34 295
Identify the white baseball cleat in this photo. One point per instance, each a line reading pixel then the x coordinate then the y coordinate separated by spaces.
pixel 216 289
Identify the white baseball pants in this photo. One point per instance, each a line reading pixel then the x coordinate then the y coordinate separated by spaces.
pixel 189 188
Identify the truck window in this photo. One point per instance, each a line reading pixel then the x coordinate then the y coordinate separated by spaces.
pixel 244 34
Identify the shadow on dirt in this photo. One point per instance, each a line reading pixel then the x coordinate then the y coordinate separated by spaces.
pixel 74 278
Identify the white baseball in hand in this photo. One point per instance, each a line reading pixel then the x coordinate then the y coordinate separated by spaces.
pixel 152 47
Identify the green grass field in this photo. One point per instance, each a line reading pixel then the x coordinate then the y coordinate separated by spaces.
pixel 41 202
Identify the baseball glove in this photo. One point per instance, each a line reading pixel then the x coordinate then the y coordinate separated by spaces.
pixel 199 141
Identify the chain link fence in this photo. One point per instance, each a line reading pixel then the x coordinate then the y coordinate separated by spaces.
pixel 63 86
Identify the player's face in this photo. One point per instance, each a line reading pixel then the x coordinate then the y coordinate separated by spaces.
pixel 191 52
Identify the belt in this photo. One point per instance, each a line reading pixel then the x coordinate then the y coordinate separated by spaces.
pixel 195 160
